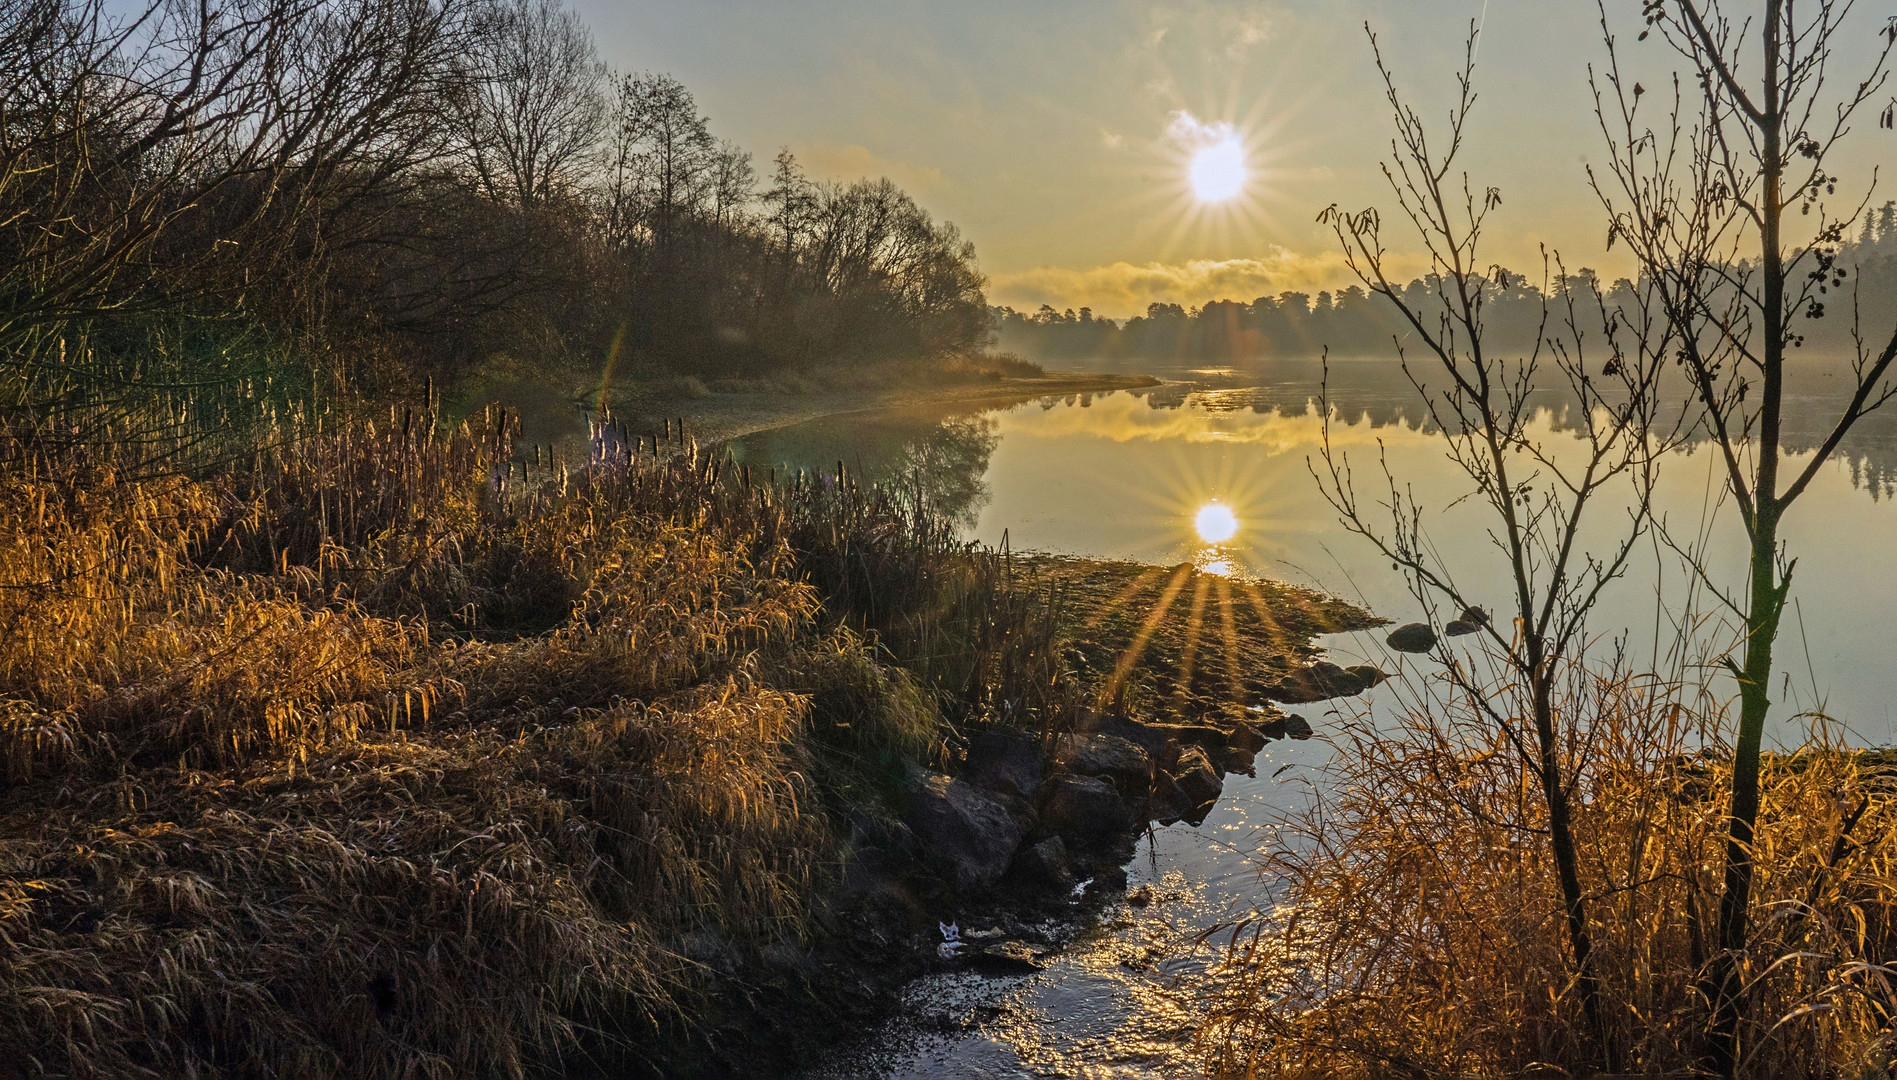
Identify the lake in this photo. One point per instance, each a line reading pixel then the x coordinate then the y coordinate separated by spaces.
pixel 1125 474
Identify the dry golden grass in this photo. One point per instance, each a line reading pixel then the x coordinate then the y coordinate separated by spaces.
pixel 374 757
pixel 1421 930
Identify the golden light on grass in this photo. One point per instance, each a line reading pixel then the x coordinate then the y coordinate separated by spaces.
pixel 1215 523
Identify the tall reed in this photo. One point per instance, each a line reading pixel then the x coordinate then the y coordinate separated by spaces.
pixel 1418 926
pixel 381 750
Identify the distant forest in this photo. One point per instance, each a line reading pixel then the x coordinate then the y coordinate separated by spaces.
pixel 1353 322
pixel 386 189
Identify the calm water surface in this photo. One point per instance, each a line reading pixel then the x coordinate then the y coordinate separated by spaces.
pixel 1123 475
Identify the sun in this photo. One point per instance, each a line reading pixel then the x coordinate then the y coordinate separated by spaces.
pixel 1216 523
pixel 1217 172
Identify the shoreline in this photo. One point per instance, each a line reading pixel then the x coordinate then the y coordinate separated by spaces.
pixel 719 417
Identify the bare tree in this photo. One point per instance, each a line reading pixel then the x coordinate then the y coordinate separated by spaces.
pixel 535 107
pixel 733 184
pixel 1480 401
pixel 186 152
pixel 791 202
pixel 663 158
pixel 1701 197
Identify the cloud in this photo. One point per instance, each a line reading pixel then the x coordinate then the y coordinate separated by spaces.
pixel 1213 28
pixel 1195 134
pixel 853 162
pixel 1122 289
pixel 1245 29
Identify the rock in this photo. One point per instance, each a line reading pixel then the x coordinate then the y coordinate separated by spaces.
pixel 1474 616
pixel 1045 866
pixel 1207 737
pixel 1168 802
pixel 1006 958
pixel 1236 760
pixel 1297 727
pixel 1005 763
pixel 1273 728
pixel 1457 628
pixel 1085 811
pixel 966 833
pixel 1245 737
pixel 1322 680
pixel 1150 737
pixel 1197 778
pixel 1127 764
pixel 1413 637
pixel 1367 675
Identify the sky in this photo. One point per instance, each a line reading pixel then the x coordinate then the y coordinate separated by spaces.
pixel 1057 134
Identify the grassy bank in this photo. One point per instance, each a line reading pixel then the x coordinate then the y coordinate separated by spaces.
pixel 368 758
pixel 380 752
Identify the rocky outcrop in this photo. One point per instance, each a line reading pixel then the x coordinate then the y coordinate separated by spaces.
pixel 1120 760
pixel 965 833
pixel 1044 822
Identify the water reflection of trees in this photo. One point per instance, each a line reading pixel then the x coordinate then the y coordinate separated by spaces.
pixel 945 457
pixel 1378 394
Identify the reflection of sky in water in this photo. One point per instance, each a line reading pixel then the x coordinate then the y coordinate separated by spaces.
pixel 1123 475
pixel 1120 478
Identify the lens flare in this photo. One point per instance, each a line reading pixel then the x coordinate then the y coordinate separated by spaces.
pixel 1217 171
pixel 1216 523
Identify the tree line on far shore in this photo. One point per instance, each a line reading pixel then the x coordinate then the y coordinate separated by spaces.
pixel 385 189
pixel 1352 322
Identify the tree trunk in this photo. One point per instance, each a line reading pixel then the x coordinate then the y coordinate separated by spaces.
pixel 1767 599
pixel 1722 984
pixel 1567 862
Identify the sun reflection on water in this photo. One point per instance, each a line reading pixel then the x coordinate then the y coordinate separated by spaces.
pixel 1216 562
pixel 1216 523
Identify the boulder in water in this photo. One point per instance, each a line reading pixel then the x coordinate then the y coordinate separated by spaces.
pixel 1197 778
pixel 1413 637
pixel 1367 676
